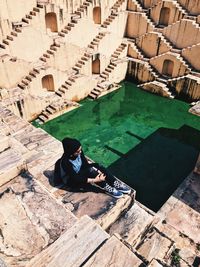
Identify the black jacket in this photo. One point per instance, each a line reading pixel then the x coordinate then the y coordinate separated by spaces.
pixel 73 177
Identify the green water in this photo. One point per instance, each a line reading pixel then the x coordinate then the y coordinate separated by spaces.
pixel 150 142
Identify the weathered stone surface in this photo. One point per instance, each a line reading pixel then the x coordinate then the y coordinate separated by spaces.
pixel 92 201
pixel 182 210
pixel 188 249
pixel 132 223
pixel 195 109
pixel 114 253
pixel 11 164
pixel 155 263
pixel 30 220
pixel 4 144
pixel 182 217
pixel 73 247
pixel 154 245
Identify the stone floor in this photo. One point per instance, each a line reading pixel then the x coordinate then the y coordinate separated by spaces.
pixel 35 216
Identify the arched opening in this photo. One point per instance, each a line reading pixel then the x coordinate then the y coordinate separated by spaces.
pixel 168 66
pixel 51 21
pixel 48 83
pixel 96 66
pixel 164 16
pixel 97 15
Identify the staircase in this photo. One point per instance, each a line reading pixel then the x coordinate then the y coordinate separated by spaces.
pixel 158 86
pixel 96 92
pixel 18 29
pixel 79 13
pixel 54 108
pixel 86 244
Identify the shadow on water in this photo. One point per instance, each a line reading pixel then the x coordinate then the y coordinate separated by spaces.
pixel 158 164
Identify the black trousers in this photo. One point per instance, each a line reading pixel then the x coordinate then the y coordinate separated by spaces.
pixel 91 171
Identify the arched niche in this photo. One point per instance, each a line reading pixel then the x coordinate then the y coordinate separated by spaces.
pixel 96 66
pixel 51 21
pixel 168 66
pixel 164 16
pixel 48 82
pixel 97 15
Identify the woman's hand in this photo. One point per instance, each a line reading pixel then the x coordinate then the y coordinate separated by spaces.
pixel 99 178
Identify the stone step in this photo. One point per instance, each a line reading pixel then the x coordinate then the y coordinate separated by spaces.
pixel 23 203
pixel 42 118
pixel 133 223
pixel 70 248
pixel 114 253
pixel 50 110
pixel 25 20
pixel 92 95
pixel 154 245
pixel 61 34
pixel 2 46
pixel 21 85
pixel 11 164
pixel 4 142
pixel 32 13
pixel 36 9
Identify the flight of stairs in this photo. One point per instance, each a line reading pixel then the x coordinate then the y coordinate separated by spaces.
pixel 26 20
pixel 96 92
pixel 86 244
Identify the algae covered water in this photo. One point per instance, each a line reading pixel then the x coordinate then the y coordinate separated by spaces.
pixel 150 142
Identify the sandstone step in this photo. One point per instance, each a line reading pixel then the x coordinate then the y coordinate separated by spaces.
pixel 22 86
pixel 133 223
pixel 61 34
pixel 11 164
pixel 5 41
pixel 68 83
pixel 36 70
pixel 70 248
pixel 4 142
pixel 18 30
pixel 36 9
pixel 25 204
pixel 25 20
pixel 50 110
pixel 43 59
pixel 33 13
pixel 2 46
pixel 64 31
pixel 60 94
pixel 50 52
pixel 64 86
pixel 29 16
pixel 92 95
pixel 114 253
pixel 10 38
pixel 154 245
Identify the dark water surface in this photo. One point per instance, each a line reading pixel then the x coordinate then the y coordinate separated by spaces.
pixel 150 142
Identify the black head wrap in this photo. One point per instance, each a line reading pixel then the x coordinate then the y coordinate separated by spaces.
pixel 70 146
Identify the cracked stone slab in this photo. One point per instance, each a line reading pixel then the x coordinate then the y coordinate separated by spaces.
pixel 182 209
pixel 30 220
pixel 11 164
pixel 73 247
pixel 133 223
pixel 93 202
pixel 188 248
pixel 114 253
pixel 154 245
pixel 182 217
